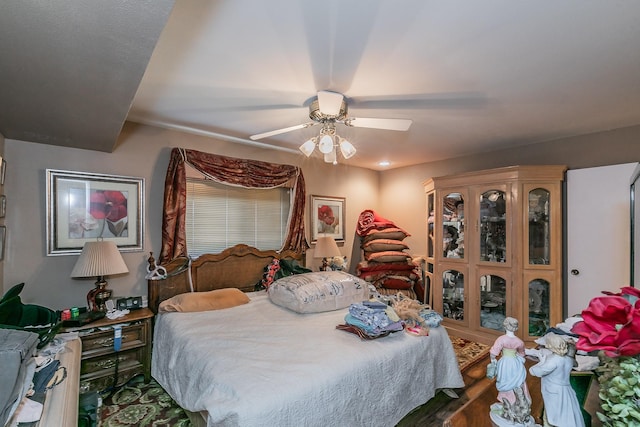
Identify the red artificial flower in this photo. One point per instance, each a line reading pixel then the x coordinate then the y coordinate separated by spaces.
pixel 610 323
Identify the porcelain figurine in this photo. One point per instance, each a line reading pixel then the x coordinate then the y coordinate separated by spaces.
pixel 561 407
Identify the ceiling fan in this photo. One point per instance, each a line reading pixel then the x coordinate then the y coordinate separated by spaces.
pixel 327 109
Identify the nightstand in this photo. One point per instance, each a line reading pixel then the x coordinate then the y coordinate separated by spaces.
pixel 98 361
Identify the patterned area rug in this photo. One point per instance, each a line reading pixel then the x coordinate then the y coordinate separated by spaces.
pixel 468 352
pixel 140 404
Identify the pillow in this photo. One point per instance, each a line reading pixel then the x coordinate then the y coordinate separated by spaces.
pixel 381 245
pixel 392 233
pixel 386 256
pixel 204 301
pixel 318 291
pixel 395 282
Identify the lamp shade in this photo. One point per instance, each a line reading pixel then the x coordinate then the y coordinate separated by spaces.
pixel 100 258
pixel 308 147
pixel 347 149
pixel 326 144
pixel 326 247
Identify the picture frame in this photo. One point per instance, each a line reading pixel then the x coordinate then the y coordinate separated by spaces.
pixel 3 170
pixel 327 217
pixel 3 237
pixel 84 206
pixel 3 205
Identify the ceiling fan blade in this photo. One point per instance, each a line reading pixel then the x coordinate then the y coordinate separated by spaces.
pixel 283 130
pixel 329 103
pixel 388 124
pixel 442 100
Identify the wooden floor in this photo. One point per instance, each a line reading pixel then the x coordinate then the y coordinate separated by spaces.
pixel 471 408
pixel 441 407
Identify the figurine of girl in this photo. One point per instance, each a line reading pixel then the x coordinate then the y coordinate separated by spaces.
pixel 561 407
pixel 510 370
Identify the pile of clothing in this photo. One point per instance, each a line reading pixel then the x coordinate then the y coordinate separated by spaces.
pixel 371 319
pixel 387 264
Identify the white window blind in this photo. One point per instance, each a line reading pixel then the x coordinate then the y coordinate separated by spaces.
pixel 220 216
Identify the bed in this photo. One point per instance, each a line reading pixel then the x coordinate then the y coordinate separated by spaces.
pixel 260 364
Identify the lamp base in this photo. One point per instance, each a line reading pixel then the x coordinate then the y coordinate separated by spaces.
pixel 97 296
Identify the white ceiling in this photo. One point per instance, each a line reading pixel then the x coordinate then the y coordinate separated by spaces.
pixel 472 75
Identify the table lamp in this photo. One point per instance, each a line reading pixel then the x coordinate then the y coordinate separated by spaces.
pixel 326 247
pixel 99 259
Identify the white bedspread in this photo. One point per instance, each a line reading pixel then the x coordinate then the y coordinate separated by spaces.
pixel 262 365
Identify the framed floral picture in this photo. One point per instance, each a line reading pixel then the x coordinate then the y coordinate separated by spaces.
pixel 327 217
pixel 83 206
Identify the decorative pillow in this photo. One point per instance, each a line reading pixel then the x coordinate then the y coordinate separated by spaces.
pixel 318 291
pixel 204 301
pixel 392 233
pixel 395 282
pixel 386 256
pixel 381 245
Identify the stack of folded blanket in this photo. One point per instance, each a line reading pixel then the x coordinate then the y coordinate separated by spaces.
pixel 371 319
pixel 387 264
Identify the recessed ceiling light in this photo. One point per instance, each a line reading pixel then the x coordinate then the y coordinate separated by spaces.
pixel 384 163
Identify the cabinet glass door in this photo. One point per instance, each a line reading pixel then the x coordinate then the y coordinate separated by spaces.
pixel 539 307
pixel 539 227
pixel 428 266
pixel 453 226
pixel 453 294
pixel 493 301
pixel 493 226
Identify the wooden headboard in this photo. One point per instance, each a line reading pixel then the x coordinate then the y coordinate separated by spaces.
pixel 240 266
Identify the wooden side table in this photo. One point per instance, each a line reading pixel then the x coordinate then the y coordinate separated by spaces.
pixel 99 358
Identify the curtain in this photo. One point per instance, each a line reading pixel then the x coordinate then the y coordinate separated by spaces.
pixel 230 171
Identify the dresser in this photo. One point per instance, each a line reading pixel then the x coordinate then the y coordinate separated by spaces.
pixel 99 360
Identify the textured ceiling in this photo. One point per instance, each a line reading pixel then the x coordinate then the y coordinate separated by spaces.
pixel 473 76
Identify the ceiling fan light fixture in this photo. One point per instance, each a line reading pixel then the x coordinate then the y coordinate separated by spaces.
pixel 308 147
pixel 326 144
pixel 347 149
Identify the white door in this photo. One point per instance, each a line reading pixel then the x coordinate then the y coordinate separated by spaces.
pixel 598 232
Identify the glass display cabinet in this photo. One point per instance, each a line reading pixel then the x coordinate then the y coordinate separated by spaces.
pixel 494 243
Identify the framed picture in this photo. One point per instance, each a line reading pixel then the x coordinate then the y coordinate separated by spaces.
pixel 3 205
pixel 3 170
pixel 83 206
pixel 327 217
pixel 3 236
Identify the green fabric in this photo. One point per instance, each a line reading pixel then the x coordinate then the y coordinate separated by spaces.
pixel 34 318
pixel 289 267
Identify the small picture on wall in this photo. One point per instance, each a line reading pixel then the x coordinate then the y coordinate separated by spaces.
pixel 3 205
pixel 327 217
pixel 3 170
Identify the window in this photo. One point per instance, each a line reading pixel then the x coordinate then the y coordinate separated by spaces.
pixel 220 216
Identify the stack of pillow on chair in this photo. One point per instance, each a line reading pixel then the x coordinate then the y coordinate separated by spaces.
pixel 387 264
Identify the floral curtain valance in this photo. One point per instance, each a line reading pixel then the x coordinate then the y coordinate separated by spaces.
pixel 230 171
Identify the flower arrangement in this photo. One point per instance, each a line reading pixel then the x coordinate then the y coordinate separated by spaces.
pixel 611 326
